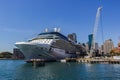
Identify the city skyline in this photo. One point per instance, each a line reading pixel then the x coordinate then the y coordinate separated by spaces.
pixel 24 19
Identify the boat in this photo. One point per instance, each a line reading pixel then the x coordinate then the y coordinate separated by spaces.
pixel 49 45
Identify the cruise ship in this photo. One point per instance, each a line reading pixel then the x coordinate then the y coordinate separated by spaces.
pixel 49 45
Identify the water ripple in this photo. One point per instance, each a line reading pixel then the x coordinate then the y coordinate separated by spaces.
pixel 19 70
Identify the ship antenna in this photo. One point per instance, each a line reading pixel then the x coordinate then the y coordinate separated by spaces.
pixel 46 29
pixel 58 30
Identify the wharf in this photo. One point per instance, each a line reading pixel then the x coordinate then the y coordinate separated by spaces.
pixel 41 62
pixel 68 60
pixel 91 60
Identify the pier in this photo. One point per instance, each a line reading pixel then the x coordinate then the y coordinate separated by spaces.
pixel 91 60
pixel 68 60
pixel 41 62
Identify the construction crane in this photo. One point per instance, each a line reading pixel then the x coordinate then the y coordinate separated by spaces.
pixel 96 25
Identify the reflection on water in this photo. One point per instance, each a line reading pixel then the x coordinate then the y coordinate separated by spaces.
pixel 19 70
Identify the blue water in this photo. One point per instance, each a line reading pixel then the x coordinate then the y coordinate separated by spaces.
pixel 19 70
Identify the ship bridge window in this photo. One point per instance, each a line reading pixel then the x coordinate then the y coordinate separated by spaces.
pixel 50 35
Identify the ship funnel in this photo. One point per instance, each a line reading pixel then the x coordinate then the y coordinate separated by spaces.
pixel 58 30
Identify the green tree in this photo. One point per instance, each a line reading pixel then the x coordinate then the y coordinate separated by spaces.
pixel 6 55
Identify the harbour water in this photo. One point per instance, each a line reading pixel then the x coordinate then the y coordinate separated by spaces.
pixel 19 70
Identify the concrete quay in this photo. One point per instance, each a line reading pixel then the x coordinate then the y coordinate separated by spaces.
pixel 41 62
pixel 91 60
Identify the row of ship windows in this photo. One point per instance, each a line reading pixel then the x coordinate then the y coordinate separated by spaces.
pixel 42 41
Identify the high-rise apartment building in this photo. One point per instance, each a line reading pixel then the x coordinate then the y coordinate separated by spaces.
pixel 108 46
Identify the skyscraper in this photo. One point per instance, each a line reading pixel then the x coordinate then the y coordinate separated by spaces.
pixel 90 38
pixel 108 46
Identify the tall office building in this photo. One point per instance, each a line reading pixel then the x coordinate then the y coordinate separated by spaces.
pixel 72 37
pixel 108 46
pixel 90 38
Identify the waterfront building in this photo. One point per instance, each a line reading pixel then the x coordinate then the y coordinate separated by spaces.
pixel 96 46
pixel 72 37
pixel 108 46
pixel 102 49
pixel 116 51
pixel 17 54
pixel 87 46
pixel 97 49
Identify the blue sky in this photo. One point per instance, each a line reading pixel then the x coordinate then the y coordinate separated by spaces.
pixel 21 20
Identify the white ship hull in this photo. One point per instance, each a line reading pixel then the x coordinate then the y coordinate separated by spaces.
pixel 41 51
